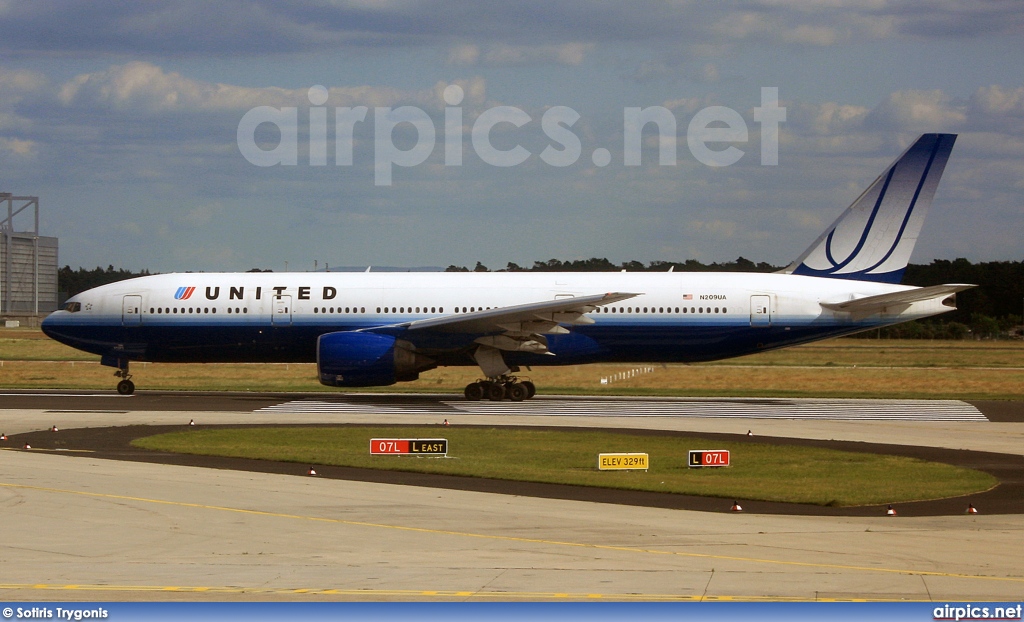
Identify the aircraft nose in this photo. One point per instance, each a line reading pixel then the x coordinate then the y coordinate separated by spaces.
pixel 51 322
pixel 48 322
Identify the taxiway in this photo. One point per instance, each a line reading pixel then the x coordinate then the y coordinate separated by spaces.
pixel 82 527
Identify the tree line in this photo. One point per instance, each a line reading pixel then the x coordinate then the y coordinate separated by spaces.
pixel 991 310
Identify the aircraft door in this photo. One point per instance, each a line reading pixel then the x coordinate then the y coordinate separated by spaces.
pixel 131 311
pixel 281 311
pixel 760 310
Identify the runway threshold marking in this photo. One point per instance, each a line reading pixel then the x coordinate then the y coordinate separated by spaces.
pixel 500 594
pixel 521 540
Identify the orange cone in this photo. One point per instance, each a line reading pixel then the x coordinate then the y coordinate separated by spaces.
pixel 736 507
pixel 312 471
pixel 971 509
pixel 890 511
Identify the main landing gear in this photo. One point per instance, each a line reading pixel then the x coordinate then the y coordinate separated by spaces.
pixel 126 386
pixel 500 388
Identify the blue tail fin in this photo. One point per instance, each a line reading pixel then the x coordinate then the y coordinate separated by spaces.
pixel 874 237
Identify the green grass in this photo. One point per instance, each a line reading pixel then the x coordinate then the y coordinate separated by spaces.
pixel 759 472
pixel 846 368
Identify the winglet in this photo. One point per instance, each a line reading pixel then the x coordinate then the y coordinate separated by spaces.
pixel 874 237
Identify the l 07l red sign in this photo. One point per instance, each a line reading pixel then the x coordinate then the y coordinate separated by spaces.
pixel 708 458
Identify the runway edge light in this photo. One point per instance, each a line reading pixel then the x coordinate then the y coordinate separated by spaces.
pixel 890 511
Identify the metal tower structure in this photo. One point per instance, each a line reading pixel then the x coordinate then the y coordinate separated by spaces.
pixel 28 283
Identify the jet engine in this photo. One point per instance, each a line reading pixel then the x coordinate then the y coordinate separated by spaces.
pixel 354 359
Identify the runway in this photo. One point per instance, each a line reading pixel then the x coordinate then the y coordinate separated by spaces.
pixel 547 405
pixel 79 528
pixel 744 408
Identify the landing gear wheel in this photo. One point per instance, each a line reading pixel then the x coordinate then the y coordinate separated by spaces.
pixel 495 391
pixel 126 387
pixel 474 391
pixel 516 392
pixel 531 389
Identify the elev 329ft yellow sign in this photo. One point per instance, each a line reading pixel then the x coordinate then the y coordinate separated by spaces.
pixel 623 461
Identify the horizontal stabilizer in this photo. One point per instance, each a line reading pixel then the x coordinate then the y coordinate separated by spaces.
pixel 869 305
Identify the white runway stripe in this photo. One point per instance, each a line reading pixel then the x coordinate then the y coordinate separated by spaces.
pixel 747 408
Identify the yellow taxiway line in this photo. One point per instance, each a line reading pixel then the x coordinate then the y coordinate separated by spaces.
pixel 516 539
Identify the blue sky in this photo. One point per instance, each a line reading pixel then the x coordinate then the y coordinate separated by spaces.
pixel 123 118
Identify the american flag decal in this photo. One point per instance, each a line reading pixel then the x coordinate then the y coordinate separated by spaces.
pixel 687 296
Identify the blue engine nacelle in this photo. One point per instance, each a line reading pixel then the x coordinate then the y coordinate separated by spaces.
pixel 351 359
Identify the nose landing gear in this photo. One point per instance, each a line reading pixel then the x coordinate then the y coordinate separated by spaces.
pixel 126 386
pixel 499 388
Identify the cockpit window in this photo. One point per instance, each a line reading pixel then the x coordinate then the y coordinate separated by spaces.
pixel 73 307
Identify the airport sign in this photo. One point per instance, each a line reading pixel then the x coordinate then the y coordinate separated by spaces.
pixel 409 446
pixel 699 458
pixel 623 461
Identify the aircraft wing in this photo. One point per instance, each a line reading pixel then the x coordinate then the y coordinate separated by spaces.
pixel 869 305
pixel 515 328
pixel 536 315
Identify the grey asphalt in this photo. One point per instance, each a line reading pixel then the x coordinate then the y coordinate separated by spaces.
pixel 81 527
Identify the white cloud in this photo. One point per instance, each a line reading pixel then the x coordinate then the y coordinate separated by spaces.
pixel 714 228
pixel 923 111
pixel 145 87
pixel 781 27
pixel 810 34
pixel 464 55
pixel 19 81
pixel 998 100
pixel 505 55
pixel 18 147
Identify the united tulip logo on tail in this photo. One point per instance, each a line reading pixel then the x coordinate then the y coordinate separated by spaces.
pixel 184 293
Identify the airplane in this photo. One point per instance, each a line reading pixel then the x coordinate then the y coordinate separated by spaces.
pixel 376 329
